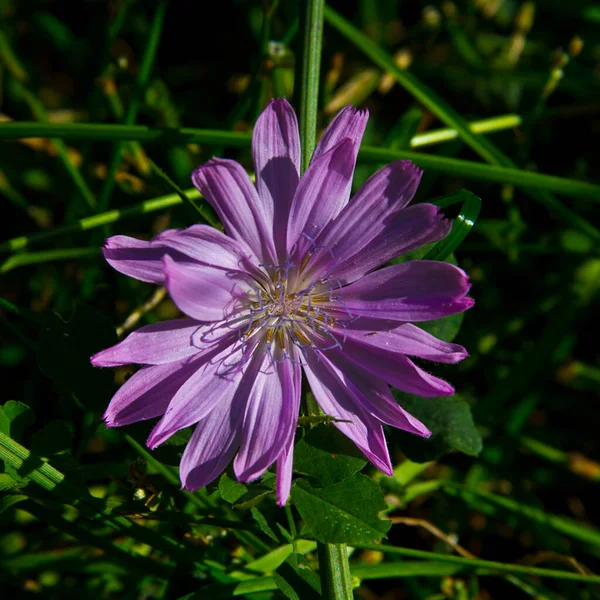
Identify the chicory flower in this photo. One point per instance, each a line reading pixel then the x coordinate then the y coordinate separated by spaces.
pixel 293 286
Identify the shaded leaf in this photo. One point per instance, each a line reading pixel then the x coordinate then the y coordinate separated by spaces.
pixel 9 500
pixel 231 491
pixel 451 424
pixel 327 455
pixel 15 417
pixel 262 524
pixel 296 580
pixel 445 329
pixel 345 512
pixel 55 438
pixel 64 353
pixel 8 482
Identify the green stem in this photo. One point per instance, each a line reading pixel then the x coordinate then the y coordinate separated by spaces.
pixel 311 67
pixel 334 570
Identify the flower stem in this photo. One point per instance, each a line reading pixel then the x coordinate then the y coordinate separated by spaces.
pixel 334 569
pixel 311 67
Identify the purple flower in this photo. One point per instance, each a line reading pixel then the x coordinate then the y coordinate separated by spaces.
pixel 292 287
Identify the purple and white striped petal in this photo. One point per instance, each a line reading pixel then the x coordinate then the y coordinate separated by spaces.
pixel 412 291
pixel 319 196
pixel 212 445
pixel 378 202
pixel 154 344
pixel 204 293
pixel 216 380
pixel 228 189
pixel 197 244
pixel 354 422
pixel 403 338
pixel 372 393
pixel 348 123
pixel 272 405
pixel 414 227
pixel 397 370
pixel 147 393
pixel 276 154
pixel 285 462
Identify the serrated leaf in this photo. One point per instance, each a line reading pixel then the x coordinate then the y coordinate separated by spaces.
pixel 342 513
pixel 231 491
pixel 10 500
pixel 55 438
pixel 327 455
pixel 451 424
pixel 15 417
pixel 64 353
pixel 262 524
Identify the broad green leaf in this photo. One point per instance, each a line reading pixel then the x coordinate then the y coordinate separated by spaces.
pixel 451 424
pixel 446 328
pixel 8 500
pixel 65 350
pixel 8 481
pixel 55 438
pixel 327 455
pixel 231 491
pixel 15 417
pixel 345 512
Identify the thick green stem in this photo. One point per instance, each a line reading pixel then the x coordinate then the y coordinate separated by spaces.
pixel 309 89
pixel 334 569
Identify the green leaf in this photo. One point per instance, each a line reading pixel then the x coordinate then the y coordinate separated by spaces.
pixel 327 455
pixel 262 524
pixel 15 417
pixel 8 482
pixel 451 424
pixel 65 350
pixel 55 438
pixel 9 500
pixel 296 580
pixel 231 491
pixel 345 512
pixel 446 328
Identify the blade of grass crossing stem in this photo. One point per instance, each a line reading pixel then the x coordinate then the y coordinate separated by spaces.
pixel 447 114
pixel 471 205
pixel 367 154
pixel 311 68
pixel 134 105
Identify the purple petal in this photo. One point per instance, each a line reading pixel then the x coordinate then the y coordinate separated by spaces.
pixel 212 445
pixel 227 187
pixel 396 369
pixel 372 393
pixel 215 381
pixel 348 123
pixel 319 196
pixel 284 472
pixel 372 209
pixel 153 345
pixel 404 338
pixel 336 400
pixel 203 293
pixel 419 290
pixel 414 227
pixel 272 405
pixel 147 393
pixel 276 153
pixel 143 259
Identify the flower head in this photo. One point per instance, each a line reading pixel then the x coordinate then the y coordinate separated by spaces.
pixel 293 286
